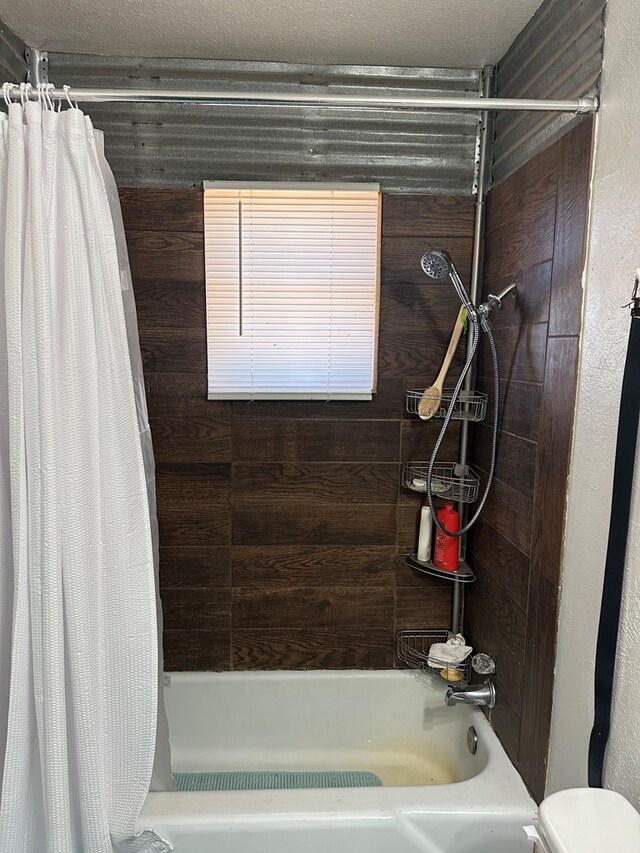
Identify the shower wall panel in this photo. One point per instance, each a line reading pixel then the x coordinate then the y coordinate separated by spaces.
pixel 535 235
pixel 280 521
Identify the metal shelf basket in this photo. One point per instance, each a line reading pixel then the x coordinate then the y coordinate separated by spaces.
pixel 464 573
pixel 412 648
pixel 470 405
pixel 450 481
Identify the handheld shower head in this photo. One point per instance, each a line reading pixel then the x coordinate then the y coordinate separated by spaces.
pixel 436 264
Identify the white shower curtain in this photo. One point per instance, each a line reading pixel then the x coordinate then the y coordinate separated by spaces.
pixel 162 777
pixel 78 642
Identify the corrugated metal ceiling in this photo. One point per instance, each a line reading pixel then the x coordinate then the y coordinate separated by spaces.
pixel 183 144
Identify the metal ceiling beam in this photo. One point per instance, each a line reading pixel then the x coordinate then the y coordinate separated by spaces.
pixel 37 66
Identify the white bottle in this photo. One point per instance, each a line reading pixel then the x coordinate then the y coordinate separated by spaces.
pixel 424 536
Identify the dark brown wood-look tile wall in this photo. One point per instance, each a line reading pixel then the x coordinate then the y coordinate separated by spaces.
pixel 280 521
pixel 536 223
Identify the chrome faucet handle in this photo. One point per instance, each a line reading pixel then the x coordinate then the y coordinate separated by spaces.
pixel 483 664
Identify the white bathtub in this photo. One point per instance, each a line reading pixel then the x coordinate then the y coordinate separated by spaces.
pixel 437 797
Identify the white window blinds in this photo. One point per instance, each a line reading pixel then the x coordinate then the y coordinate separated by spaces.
pixel 292 285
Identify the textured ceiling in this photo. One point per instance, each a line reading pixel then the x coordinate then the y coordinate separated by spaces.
pixel 435 33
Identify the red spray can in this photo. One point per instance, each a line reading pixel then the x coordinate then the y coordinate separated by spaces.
pixel 445 552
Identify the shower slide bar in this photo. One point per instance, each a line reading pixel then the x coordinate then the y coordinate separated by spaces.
pixel 310 99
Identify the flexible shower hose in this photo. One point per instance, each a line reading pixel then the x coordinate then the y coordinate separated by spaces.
pixel 475 332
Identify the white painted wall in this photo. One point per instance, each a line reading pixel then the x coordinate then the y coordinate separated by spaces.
pixel 613 256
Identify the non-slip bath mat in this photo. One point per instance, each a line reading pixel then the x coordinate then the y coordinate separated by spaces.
pixel 275 780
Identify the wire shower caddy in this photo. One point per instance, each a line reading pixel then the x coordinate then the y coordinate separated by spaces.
pixel 413 649
pixel 470 406
pixel 450 480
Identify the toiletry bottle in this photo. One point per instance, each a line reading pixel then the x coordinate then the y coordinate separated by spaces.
pixel 424 536
pixel 445 553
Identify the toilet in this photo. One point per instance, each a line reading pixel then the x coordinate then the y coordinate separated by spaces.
pixel 586 820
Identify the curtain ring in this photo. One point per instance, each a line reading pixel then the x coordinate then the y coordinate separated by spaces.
pixel 67 89
pixel 39 89
pixel 25 92
pixel 48 89
pixel 7 88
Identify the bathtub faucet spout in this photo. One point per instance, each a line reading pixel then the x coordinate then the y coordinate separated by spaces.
pixel 473 694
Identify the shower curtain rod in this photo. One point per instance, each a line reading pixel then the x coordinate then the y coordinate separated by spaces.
pixel 310 99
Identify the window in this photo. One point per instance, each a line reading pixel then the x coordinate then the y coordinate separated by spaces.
pixel 292 285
